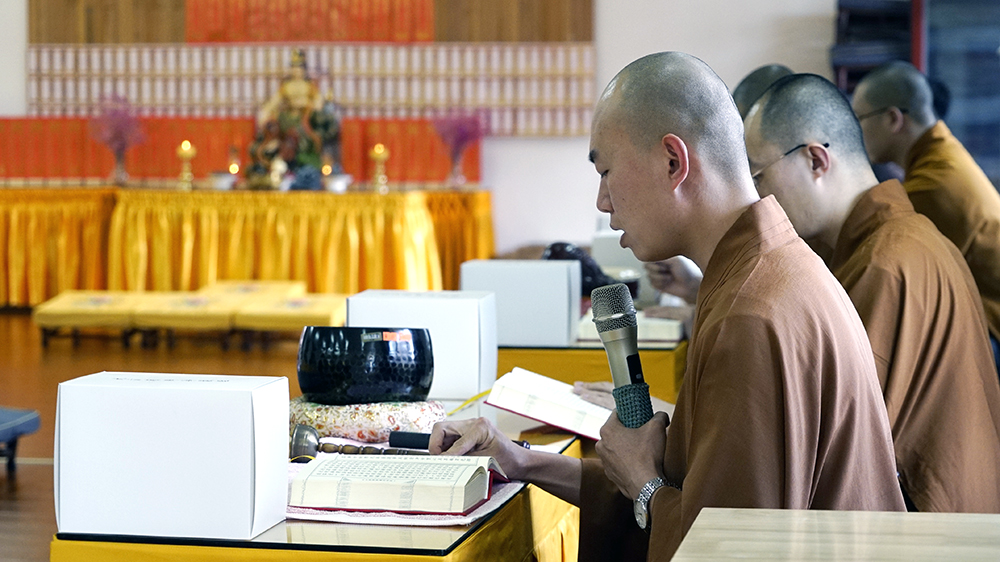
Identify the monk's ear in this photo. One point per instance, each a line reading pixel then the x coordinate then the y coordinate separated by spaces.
pixel 819 158
pixel 676 152
pixel 896 119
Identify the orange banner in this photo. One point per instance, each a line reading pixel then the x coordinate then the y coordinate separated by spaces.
pixel 251 21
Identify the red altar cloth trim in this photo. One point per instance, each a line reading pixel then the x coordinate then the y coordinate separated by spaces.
pixel 61 147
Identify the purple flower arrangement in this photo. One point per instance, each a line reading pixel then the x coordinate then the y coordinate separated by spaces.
pixel 116 126
pixel 458 132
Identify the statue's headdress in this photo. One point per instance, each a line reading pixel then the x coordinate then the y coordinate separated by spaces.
pixel 298 58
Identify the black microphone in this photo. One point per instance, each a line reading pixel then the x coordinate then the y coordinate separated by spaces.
pixel 614 315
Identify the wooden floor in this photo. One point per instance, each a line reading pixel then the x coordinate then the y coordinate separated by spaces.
pixel 29 377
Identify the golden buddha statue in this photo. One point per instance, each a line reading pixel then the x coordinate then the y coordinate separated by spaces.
pixel 295 114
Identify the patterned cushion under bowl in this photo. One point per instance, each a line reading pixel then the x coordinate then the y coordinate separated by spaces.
pixel 370 423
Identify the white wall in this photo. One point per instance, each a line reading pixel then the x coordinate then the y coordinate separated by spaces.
pixel 545 190
pixel 13 57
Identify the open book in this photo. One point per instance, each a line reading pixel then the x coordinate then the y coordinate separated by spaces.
pixel 548 401
pixel 400 483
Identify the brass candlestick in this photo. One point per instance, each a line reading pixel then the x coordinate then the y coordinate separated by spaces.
pixel 186 151
pixel 380 182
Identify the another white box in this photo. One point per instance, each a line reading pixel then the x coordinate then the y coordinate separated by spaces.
pixel 171 455
pixel 538 301
pixel 463 328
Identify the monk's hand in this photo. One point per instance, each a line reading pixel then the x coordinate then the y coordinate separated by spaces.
pixel 677 276
pixel 633 457
pixel 478 437
pixel 596 393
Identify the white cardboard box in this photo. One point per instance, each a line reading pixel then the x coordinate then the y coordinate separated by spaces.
pixel 171 455
pixel 463 328
pixel 538 301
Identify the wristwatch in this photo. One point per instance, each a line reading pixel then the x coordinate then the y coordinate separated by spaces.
pixel 640 507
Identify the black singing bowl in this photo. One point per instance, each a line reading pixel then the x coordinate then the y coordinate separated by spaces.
pixel 341 365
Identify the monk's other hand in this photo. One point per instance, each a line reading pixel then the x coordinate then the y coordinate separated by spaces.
pixel 677 276
pixel 596 393
pixel 632 457
pixel 477 437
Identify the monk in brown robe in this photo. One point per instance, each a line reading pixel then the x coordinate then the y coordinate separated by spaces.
pixel 911 286
pixel 895 105
pixel 780 405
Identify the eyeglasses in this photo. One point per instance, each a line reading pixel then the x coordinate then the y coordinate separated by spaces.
pixel 778 159
pixel 878 111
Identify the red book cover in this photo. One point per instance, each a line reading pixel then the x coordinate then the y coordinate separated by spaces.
pixel 360 27
pixel 381 21
pixel 295 25
pixel 255 17
pixel 402 21
pixel 193 18
pixel 277 20
pixel 423 20
pixel 237 22
pixel 335 20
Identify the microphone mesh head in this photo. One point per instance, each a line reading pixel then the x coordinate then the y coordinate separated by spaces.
pixel 613 308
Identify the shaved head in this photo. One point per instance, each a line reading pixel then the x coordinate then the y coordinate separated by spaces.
pixel 676 93
pixel 804 108
pixel 899 84
pixel 755 84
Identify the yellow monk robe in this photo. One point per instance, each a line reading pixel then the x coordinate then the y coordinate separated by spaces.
pixel 945 183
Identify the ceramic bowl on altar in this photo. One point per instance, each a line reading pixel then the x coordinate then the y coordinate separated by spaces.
pixel 354 365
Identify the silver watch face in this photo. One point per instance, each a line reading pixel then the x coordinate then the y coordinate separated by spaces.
pixel 639 511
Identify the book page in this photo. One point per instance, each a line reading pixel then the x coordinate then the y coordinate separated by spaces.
pixel 549 401
pixel 398 483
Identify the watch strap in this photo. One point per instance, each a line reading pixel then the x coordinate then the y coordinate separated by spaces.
pixel 646 493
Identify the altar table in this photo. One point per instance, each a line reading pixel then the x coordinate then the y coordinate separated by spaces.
pixel 52 240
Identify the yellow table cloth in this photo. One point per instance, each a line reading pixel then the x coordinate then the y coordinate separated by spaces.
pixel 463 226
pixel 344 243
pixel 52 240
